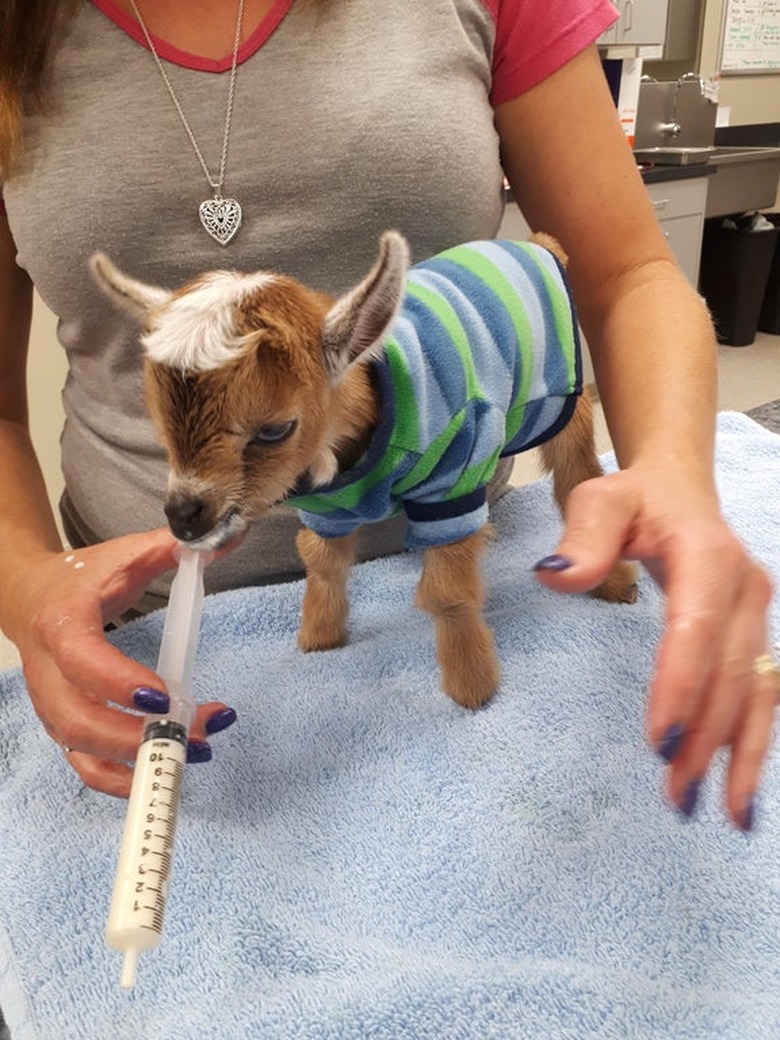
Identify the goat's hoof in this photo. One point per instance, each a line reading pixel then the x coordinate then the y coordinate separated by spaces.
pixel 471 683
pixel 620 585
pixel 321 637
pixel 474 694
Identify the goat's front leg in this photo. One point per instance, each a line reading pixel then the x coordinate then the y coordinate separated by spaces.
pixel 325 603
pixel 451 588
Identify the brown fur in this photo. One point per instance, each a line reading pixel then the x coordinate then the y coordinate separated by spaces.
pixel 208 421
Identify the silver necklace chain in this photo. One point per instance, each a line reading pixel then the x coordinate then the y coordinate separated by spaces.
pixel 220 217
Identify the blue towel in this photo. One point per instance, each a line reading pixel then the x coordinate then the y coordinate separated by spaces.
pixel 364 859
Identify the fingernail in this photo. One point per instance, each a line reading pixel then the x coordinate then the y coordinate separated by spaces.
pixel 553 563
pixel 687 803
pixel 198 751
pixel 670 742
pixel 220 720
pixel 746 817
pixel 148 699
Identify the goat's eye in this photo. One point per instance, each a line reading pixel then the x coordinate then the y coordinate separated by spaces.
pixel 274 433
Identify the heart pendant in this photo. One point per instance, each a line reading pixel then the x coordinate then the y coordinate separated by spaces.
pixel 221 218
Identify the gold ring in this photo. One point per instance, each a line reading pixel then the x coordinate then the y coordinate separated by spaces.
pixel 767 667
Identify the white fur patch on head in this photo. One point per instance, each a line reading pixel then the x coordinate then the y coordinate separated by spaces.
pixel 198 331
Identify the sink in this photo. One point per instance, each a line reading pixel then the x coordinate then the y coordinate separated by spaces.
pixel 728 153
pixel 746 179
pixel 697 156
pixel 671 156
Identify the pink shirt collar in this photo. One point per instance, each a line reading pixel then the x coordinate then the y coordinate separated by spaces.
pixel 195 61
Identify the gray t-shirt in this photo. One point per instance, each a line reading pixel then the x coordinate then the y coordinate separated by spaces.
pixel 348 120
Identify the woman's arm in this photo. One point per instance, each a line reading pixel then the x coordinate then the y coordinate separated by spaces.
pixel 654 356
pixel 54 604
pixel 574 175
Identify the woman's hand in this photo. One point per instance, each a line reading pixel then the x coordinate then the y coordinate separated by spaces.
pixel 75 677
pixel 705 693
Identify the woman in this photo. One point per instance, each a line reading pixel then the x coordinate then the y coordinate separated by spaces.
pixel 178 136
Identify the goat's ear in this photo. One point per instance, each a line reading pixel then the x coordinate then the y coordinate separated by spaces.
pixel 356 324
pixel 127 293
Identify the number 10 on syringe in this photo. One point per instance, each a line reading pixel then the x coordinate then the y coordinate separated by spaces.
pixel 137 911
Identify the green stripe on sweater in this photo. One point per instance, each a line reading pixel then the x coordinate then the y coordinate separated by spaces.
pixel 427 462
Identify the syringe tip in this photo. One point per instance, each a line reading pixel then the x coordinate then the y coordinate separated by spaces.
pixel 127 978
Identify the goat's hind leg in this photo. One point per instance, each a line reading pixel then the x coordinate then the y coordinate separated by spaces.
pixel 571 456
pixel 325 603
pixel 451 589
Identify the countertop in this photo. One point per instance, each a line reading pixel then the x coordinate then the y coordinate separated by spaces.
pixel 659 174
pixel 655 175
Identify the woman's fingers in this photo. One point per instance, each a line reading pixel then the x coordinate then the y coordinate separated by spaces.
pixel 102 774
pixel 704 694
pixel 750 745
pixel 728 681
pixel 701 612
pixel 83 721
pixel 104 765
pixel 78 683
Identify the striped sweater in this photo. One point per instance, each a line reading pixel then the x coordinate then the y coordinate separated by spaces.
pixel 482 361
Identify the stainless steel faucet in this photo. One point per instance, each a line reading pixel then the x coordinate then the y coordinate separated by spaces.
pixel 673 127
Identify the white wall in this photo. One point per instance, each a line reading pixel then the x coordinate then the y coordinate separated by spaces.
pixel 46 376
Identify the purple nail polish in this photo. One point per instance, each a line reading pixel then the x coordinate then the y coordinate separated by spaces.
pixel 147 699
pixel 746 818
pixel 687 804
pixel 553 563
pixel 220 720
pixel 670 742
pixel 198 751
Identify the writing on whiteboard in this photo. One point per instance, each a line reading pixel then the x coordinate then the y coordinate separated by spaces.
pixel 751 36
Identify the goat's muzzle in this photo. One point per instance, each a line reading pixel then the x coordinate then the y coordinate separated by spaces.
pixel 190 518
pixel 194 520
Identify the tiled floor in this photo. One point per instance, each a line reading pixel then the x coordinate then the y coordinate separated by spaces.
pixel 748 376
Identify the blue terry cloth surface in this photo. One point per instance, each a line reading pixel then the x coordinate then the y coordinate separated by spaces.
pixel 364 859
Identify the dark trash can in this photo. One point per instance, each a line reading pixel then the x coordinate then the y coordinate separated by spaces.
pixel 769 318
pixel 735 266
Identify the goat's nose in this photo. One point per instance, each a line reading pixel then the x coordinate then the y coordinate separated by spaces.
pixel 189 518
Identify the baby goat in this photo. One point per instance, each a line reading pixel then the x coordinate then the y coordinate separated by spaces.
pixel 403 393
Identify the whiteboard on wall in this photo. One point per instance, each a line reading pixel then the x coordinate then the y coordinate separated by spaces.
pixel 751 37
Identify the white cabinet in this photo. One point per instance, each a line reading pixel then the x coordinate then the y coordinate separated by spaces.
pixel 679 206
pixel 642 24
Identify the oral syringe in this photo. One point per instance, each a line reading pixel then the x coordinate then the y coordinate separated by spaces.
pixel 135 920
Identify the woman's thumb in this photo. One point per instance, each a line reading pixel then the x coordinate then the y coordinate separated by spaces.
pixel 597 524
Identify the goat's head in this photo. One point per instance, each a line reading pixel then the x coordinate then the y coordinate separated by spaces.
pixel 247 378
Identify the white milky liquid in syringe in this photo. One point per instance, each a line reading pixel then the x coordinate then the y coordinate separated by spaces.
pixel 135 920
